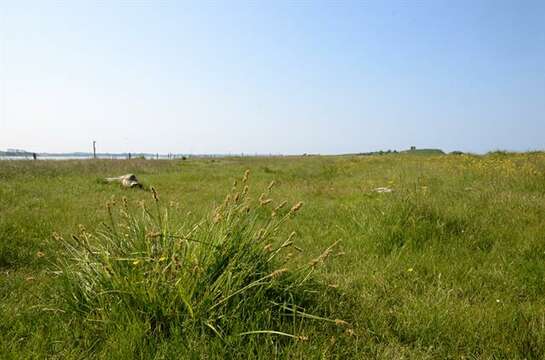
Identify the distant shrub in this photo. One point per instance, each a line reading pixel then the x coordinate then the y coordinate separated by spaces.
pixel 425 151
pixel 499 153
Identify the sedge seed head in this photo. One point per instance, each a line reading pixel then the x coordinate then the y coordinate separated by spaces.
pixel 276 209
pixel 155 195
pixel 297 207
pixel 340 322
pixel 217 218
pixel 286 244
pixel 278 272
pixel 261 233
pixel 154 234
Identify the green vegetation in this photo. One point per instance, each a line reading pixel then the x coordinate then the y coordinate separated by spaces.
pixel 425 151
pixel 450 264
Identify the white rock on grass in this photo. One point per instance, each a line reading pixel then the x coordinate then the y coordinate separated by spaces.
pixel 128 180
pixel 383 190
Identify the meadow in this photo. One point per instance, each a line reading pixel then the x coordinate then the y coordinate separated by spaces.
pixel 448 265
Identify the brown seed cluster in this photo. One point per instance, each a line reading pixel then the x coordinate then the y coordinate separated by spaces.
pixel 155 195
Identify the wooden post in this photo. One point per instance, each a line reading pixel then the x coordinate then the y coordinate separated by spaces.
pixel 94 149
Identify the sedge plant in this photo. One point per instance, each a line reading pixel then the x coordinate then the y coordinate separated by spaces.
pixel 229 274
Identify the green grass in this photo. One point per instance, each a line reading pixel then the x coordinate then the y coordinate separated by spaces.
pixel 451 264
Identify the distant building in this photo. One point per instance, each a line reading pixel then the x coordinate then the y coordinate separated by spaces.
pixel 413 148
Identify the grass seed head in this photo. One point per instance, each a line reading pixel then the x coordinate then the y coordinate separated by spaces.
pixel 261 233
pixel 282 204
pixel 217 217
pixel 340 322
pixel 275 274
pixel 265 202
pixel 296 207
pixel 154 193
pixel 226 201
pixel 154 234
pixel 246 176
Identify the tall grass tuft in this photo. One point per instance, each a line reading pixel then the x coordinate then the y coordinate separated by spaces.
pixel 226 275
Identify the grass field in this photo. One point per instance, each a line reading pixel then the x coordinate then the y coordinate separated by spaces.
pixel 450 264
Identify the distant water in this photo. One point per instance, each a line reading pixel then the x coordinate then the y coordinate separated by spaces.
pixel 113 157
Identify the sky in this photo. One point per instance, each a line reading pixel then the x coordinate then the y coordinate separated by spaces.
pixel 272 77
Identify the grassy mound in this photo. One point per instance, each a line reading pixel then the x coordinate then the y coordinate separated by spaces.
pixel 230 275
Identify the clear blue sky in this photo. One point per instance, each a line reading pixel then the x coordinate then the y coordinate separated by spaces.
pixel 272 77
